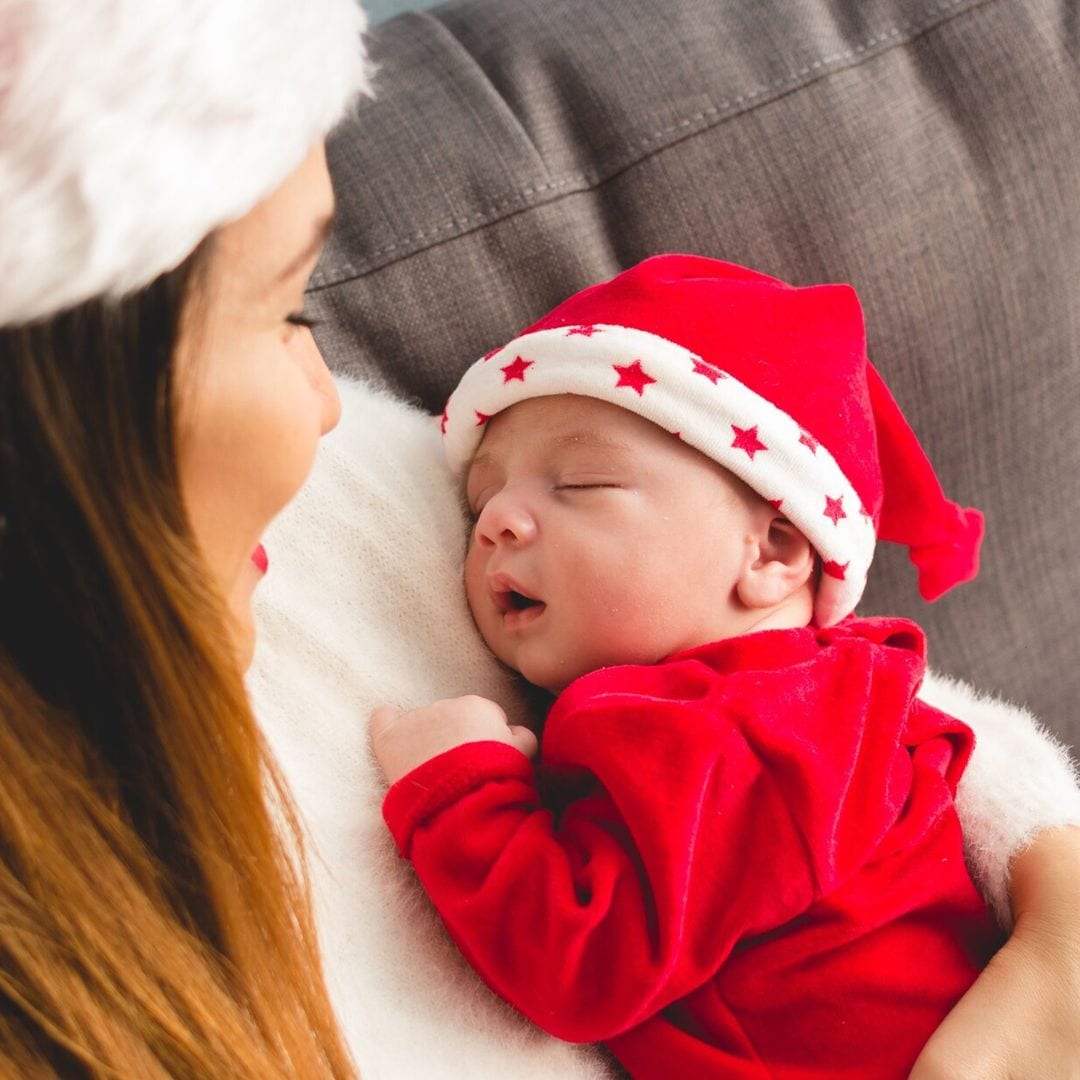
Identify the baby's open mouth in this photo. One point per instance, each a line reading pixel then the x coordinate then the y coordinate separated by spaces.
pixel 516 604
pixel 519 602
pixel 510 601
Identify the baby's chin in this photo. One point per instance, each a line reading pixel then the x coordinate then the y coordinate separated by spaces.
pixel 555 675
pixel 552 677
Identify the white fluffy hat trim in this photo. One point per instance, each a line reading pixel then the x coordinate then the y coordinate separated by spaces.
pixel 131 129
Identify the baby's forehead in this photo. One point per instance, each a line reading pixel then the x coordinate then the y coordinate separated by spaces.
pixel 563 421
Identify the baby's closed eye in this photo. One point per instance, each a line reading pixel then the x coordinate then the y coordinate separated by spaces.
pixel 586 486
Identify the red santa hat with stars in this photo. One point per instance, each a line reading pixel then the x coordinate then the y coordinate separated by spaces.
pixel 769 380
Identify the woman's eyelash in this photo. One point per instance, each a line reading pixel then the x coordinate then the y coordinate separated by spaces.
pixel 298 318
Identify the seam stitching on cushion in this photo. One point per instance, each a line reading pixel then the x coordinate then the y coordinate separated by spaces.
pixel 486 78
pixel 698 122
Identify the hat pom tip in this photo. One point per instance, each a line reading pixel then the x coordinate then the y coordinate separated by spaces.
pixel 946 564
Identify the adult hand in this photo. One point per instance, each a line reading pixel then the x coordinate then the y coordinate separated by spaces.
pixel 1021 1018
pixel 404 740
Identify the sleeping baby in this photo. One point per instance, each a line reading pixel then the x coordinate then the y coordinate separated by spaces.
pixel 738 852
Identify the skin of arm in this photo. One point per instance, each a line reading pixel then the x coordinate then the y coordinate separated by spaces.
pixel 1021 1018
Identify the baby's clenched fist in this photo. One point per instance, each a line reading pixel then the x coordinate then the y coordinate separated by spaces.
pixel 403 740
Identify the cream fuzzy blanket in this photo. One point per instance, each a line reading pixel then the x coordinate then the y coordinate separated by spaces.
pixel 363 605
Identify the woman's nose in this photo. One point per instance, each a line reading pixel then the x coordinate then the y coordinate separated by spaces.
pixel 323 384
pixel 505 519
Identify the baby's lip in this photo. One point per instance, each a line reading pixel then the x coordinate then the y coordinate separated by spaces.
pixel 510 595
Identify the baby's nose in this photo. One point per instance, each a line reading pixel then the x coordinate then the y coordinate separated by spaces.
pixel 505 519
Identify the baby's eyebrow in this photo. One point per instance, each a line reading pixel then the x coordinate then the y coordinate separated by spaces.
pixel 582 439
pixel 588 440
pixel 483 460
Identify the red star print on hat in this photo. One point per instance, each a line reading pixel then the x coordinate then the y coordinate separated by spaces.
pixel 771 381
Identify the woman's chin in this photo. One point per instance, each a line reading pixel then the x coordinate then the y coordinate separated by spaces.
pixel 245 646
pixel 242 618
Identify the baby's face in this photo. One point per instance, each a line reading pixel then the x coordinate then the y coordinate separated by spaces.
pixel 600 539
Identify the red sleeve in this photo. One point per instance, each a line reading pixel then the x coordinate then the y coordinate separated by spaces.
pixel 686 841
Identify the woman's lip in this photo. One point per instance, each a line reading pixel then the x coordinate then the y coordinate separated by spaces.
pixel 260 559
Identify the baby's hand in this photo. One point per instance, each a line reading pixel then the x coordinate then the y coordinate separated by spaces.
pixel 403 740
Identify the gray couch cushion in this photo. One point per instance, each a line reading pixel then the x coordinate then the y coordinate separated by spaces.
pixel 928 151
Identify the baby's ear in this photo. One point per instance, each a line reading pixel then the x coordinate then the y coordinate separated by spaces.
pixel 782 563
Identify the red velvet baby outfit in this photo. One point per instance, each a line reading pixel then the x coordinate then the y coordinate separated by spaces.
pixel 759 872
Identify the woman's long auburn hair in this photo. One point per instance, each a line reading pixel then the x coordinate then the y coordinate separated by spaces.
pixel 153 920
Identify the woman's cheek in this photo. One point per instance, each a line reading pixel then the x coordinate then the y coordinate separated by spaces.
pixel 236 483
pixel 283 435
pixel 286 465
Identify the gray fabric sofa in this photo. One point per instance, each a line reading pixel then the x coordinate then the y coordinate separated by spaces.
pixel 928 151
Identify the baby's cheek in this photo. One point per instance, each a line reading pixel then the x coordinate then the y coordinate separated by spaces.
pixel 473 574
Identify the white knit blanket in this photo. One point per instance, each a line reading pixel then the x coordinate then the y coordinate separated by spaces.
pixel 363 605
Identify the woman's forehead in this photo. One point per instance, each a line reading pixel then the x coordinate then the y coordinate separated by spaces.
pixel 274 245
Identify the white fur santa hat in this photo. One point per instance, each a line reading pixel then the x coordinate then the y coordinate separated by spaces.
pixel 131 129
pixel 771 381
